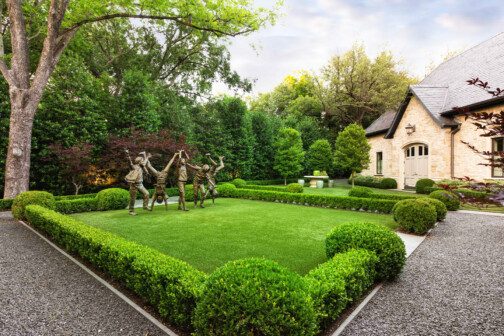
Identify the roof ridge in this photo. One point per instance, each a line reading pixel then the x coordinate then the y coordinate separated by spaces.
pixel 460 54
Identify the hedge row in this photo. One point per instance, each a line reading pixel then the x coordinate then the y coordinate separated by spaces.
pixel 463 191
pixel 72 197
pixel 264 188
pixel 169 284
pixel 374 182
pixel 368 193
pixel 340 202
pixel 6 204
pixel 77 205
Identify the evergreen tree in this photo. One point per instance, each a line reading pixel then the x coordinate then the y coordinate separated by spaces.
pixel 352 150
pixel 290 155
pixel 320 156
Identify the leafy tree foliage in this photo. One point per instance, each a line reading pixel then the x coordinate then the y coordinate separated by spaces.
pixel 264 130
pixel 289 153
pixel 320 156
pixel 352 149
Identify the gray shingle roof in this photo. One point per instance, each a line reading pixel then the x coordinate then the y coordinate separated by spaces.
pixel 446 87
pixel 382 124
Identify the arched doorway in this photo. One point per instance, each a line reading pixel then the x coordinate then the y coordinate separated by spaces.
pixel 416 163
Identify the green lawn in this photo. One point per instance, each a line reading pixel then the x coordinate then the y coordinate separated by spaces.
pixel 291 235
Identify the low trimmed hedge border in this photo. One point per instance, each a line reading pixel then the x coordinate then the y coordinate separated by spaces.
pixel 169 284
pixel 339 202
pixel 6 203
pixel 374 182
pixel 77 205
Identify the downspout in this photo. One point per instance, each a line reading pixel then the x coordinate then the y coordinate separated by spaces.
pixel 452 157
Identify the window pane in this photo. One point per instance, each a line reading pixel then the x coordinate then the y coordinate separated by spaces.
pixel 407 152
pixel 498 172
pixel 420 150
pixel 412 151
pixel 426 152
pixel 498 145
pixel 379 163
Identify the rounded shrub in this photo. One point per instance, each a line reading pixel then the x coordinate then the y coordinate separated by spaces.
pixel 254 295
pixel 387 245
pixel 422 184
pixel 440 207
pixel 239 182
pixel 26 198
pixel 360 192
pixel 450 200
pixel 415 215
pixel 295 188
pixel 226 189
pixel 112 199
pixel 388 183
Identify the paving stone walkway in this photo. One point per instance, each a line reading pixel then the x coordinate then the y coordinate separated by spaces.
pixel 44 293
pixel 453 284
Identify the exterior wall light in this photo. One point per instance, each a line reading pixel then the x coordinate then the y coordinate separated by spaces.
pixel 410 129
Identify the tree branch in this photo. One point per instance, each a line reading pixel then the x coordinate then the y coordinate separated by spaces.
pixel 177 19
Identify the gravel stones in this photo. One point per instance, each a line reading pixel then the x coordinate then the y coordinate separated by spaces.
pixel 453 284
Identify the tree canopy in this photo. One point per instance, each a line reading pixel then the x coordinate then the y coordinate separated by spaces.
pixel 352 149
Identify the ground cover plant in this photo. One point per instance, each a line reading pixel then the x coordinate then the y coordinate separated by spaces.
pixel 233 229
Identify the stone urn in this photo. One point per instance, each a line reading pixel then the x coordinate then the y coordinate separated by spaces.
pixel 301 181
pixel 320 184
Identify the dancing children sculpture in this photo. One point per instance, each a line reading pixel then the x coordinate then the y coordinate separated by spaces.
pixel 182 179
pixel 160 187
pixel 135 181
pixel 212 173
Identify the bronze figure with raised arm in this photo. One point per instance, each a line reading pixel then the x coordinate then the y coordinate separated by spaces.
pixel 160 188
pixel 212 173
pixel 182 179
pixel 135 181
pixel 199 181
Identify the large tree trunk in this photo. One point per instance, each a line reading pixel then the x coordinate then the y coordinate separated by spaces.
pixel 17 168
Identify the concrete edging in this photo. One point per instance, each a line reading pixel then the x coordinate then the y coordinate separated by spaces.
pixel 106 284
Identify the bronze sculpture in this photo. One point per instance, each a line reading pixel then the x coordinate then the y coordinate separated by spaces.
pixel 199 183
pixel 212 173
pixel 182 179
pixel 160 187
pixel 135 181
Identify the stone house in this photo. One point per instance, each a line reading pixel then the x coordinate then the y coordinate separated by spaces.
pixel 422 139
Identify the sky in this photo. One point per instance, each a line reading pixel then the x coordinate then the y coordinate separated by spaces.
pixel 311 31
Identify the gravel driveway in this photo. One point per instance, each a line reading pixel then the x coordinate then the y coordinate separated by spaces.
pixel 453 284
pixel 44 293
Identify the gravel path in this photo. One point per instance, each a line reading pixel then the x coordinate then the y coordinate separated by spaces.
pixel 453 284
pixel 44 293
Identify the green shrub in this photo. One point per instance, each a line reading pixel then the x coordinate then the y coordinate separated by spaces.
pixel 415 215
pixel 266 188
pixel 388 183
pixel 449 199
pixel 340 202
pixel 239 182
pixel 272 182
pixel 226 189
pixel 360 192
pixel 170 285
pixel 72 197
pixel 6 204
pixel 77 205
pixel 254 296
pixel 428 190
pixel 26 198
pixel 440 207
pixel 422 184
pixel 387 245
pixel 295 188
pixel 112 199
pixel 339 281
pixel 391 197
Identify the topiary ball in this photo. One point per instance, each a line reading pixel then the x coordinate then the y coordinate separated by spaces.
pixel 239 182
pixel 295 188
pixel 360 192
pixel 388 183
pixel 112 199
pixel 440 207
pixel 387 245
pixel 226 189
pixel 254 296
pixel 41 198
pixel 450 200
pixel 422 184
pixel 415 215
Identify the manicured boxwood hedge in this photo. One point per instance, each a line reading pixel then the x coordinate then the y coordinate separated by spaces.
pixel 112 199
pixel 77 205
pixel 449 199
pixel 416 216
pixel 360 191
pixel 341 281
pixel 239 182
pixel 295 188
pixel 72 197
pixel 422 184
pixel 440 207
pixel 31 197
pixel 374 182
pixel 387 245
pixel 340 202
pixel 254 296
pixel 463 191
pixel 170 285
pixel 6 203
pixel 264 188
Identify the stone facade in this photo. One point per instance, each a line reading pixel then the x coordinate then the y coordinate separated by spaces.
pixel 439 141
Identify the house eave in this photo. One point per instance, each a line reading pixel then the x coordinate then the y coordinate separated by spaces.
pixel 475 106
